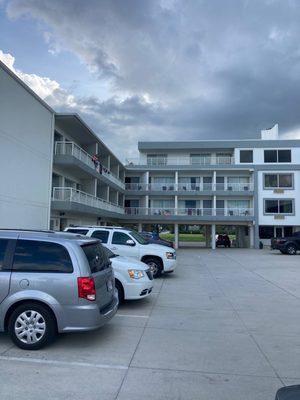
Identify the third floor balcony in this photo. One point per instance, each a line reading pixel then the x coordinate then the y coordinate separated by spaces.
pixel 71 149
pixel 193 160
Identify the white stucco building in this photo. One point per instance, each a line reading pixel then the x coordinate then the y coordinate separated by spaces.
pixel 26 143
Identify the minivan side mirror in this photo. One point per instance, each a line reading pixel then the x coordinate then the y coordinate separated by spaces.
pixel 288 393
pixel 130 242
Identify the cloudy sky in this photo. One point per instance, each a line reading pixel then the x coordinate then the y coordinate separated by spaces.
pixel 160 70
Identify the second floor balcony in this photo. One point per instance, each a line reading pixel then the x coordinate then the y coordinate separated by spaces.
pixel 189 187
pixel 71 195
pixel 72 149
pixel 196 212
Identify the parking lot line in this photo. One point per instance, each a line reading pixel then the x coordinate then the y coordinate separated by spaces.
pixel 132 315
pixel 63 363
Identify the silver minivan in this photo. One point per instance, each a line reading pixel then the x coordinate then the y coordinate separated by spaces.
pixel 53 282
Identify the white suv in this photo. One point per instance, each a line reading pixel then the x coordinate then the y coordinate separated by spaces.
pixel 129 243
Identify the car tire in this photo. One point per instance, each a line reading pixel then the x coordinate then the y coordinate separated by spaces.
pixel 291 249
pixel 32 326
pixel 120 290
pixel 155 266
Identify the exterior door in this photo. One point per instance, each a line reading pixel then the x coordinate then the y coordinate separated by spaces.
pixel 220 207
pixel 207 207
pixel 220 182
pixel 278 232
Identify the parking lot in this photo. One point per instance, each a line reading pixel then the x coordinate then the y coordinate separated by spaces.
pixel 224 326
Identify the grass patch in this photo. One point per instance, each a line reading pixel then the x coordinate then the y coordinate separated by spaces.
pixel 184 237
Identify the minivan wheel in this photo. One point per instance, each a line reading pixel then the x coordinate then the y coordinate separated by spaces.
pixel 155 266
pixel 32 326
pixel 291 249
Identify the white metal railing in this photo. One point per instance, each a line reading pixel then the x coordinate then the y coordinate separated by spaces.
pixel 226 212
pixel 190 187
pixel 72 149
pixel 68 194
pixel 166 161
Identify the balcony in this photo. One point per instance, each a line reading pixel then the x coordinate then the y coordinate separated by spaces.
pixel 180 161
pixel 71 195
pixel 72 149
pixel 189 187
pixel 198 212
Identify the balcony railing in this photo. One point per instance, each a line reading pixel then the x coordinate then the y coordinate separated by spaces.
pixel 190 187
pixel 173 161
pixel 72 149
pixel 71 195
pixel 200 212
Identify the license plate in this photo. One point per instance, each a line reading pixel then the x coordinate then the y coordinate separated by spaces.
pixel 109 285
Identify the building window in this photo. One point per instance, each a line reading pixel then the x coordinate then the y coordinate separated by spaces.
pixel 276 206
pixel 277 156
pixel 157 159
pixel 273 181
pixel 246 156
pixel 202 159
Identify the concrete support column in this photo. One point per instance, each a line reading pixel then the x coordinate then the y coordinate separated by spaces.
pixel 176 205
pixel 140 227
pixel 213 236
pixel 147 205
pixel 214 180
pixel 176 180
pixel 176 239
pixel 214 205
pixel 108 162
pixel 147 181
pixel 107 195
pixel 207 235
pixel 251 236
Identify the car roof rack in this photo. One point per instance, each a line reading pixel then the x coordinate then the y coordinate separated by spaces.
pixel 28 230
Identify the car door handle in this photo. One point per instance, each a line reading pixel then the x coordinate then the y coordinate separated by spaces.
pixel 113 248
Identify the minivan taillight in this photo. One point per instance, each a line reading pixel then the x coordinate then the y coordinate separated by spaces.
pixel 86 288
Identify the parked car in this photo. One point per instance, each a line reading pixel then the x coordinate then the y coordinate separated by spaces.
pixel 223 240
pixel 133 278
pixel 287 245
pixel 53 282
pixel 148 236
pixel 288 393
pixel 129 243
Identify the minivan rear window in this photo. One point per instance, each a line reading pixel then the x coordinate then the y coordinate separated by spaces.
pixel 39 256
pixel 96 256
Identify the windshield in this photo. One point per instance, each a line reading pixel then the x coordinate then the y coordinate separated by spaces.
pixel 139 238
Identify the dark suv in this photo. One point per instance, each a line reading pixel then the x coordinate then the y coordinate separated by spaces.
pixel 287 245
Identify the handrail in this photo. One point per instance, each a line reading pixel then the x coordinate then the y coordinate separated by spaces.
pixel 71 148
pixel 189 211
pixel 72 195
pixel 190 187
pixel 164 161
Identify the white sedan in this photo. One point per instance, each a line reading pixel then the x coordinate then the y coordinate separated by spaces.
pixel 133 278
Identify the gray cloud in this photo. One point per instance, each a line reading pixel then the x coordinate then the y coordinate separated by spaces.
pixel 183 68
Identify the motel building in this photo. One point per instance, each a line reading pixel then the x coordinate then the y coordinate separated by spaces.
pixel 52 179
